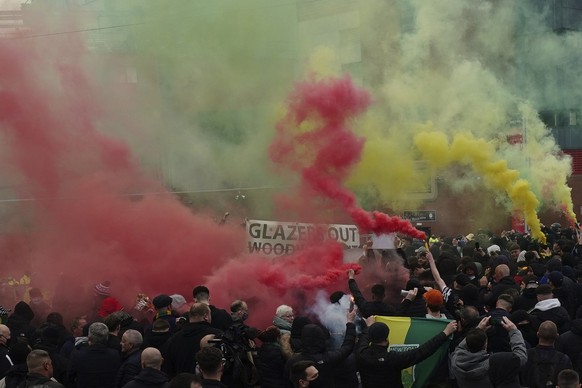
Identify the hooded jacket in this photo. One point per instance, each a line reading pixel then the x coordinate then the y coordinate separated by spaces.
pixel 504 370
pixel 148 378
pixel 552 310
pixel 314 349
pixel 570 342
pixel 472 369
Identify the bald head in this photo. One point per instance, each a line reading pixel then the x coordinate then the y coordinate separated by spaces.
pixel 151 358
pixel 547 332
pixel 4 334
pixel 502 270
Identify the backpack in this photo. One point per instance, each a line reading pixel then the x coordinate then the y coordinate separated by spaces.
pixel 543 370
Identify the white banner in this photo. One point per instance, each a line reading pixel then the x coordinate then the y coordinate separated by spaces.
pixel 282 238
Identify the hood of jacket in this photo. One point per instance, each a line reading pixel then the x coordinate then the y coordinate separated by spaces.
pixel 504 368
pixel 548 304
pixel 313 339
pixel 472 366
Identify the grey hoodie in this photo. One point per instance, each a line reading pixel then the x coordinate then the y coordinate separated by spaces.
pixel 471 370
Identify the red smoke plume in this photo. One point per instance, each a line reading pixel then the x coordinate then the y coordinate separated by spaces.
pixel 82 224
pixel 325 155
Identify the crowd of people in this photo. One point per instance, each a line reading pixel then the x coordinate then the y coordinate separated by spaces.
pixel 511 310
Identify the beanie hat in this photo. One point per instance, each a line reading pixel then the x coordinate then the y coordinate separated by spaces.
pixel 177 301
pixel 378 332
pixel 336 296
pixel 556 277
pixel 554 265
pixel 103 288
pixel 434 297
pixel 462 279
pixel 162 301
pixel 109 306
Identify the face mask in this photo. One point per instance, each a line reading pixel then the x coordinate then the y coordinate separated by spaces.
pixel 244 317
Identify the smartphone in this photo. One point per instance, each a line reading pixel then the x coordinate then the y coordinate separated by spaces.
pixel 403 293
pixel 496 321
pixel 477 246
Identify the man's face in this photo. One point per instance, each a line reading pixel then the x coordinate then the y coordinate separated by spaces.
pixel 243 313
pixel 514 253
pixel 125 344
pixel 289 317
pixel 311 374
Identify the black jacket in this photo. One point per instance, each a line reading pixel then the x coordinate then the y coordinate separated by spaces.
pixel 181 348
pixel 130 367
pixel 559 315
pixel 368 308
pixel 380 368
pixel 148 378
pixel 314 349
pixel 504 370
pixel 16 375
pixel 271 365
pixel 94 366
pixel 5 363
pixel 497 337
pixel 221 319
pixel 544 353
pixel 570 343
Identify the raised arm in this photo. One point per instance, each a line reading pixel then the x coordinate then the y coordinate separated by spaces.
pixel 435 272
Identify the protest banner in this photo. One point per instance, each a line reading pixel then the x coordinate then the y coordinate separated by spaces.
pixel 274 238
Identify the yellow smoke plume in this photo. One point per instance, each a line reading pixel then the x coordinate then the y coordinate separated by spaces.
pixel 480 156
